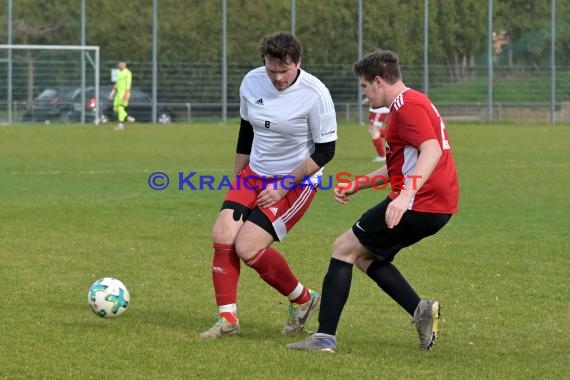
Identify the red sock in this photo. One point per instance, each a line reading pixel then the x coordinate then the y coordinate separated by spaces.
pixel 225 273
pixel 273 269
pixel 379 145
pixel 303 298
pixel 230 317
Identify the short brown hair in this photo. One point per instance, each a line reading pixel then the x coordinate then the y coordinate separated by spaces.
pixel 382 63
pixel 280 45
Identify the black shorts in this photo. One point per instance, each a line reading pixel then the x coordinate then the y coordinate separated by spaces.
pixel 383 242
pixel 256 216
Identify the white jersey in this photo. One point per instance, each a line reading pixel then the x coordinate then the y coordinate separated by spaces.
pixel 286 124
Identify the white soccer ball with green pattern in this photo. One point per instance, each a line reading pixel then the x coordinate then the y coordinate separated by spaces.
pixel 108 297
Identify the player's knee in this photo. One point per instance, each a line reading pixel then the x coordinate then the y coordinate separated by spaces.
pixel 374 133
pixel 340 246
pixel 224 230
pixel 231 218
pixel 345 248
pixel 220 235
pixel 240 247
pixel 245 248
pixel 363 262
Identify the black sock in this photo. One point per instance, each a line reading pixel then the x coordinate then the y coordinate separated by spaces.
pixel 336 287
pixel 391 281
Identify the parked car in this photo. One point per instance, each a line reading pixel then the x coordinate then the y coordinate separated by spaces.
pixel 53 104
pixel 140 107
pixel 64 104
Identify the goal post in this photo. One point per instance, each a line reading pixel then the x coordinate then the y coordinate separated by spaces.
pixel 29 69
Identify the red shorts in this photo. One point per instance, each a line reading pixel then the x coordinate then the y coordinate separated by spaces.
pixel 284 214
pixel 377 118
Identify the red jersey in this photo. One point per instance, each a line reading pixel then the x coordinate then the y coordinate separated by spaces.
pixel 414 120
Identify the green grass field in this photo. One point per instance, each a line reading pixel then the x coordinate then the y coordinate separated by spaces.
pixel 76 206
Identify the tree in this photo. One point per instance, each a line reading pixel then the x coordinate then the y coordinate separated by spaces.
pixel 528 26
pixel 190 35
pixel 33 23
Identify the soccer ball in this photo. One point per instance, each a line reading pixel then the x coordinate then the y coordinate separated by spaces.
pixel 108 297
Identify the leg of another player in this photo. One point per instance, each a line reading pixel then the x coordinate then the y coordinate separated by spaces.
pixel 122 115
pixel 253 247
pixel 391 281
pixel 373 131
pixel 336 288
pixel 117 108
pixel 336 285
pixel 226 263
pixel 377 141
pixel 225 274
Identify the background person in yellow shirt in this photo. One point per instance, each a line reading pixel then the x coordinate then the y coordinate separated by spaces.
pixel 121 93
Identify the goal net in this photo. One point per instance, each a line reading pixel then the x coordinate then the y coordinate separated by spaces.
pixel 49 83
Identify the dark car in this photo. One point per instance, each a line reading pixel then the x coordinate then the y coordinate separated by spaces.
pixel 64 104
pixel 140 107
pixel 53 104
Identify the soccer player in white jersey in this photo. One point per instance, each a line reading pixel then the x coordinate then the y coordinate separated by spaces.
pixel 287 134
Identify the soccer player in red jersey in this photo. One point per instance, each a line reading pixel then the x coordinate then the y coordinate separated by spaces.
pixel 376 122
pixel 287 134
pixel 424 196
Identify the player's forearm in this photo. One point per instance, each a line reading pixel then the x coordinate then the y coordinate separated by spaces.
pixel 377 178
pixel 323 153
pixel 305 170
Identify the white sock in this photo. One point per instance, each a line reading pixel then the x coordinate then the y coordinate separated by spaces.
pixel 230 308
pixel 323 335
pixel 296 292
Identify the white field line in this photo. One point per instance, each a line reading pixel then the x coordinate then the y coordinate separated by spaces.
pixel 210 171
pixel 524 166
pixel 107 172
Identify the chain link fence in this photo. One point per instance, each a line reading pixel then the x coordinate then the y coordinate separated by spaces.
pixel 195 90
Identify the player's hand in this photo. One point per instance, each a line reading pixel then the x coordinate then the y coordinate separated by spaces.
pixel 111 95
pixel 270 195
pixel 396 210
pixel 126 97
pixel 343 191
